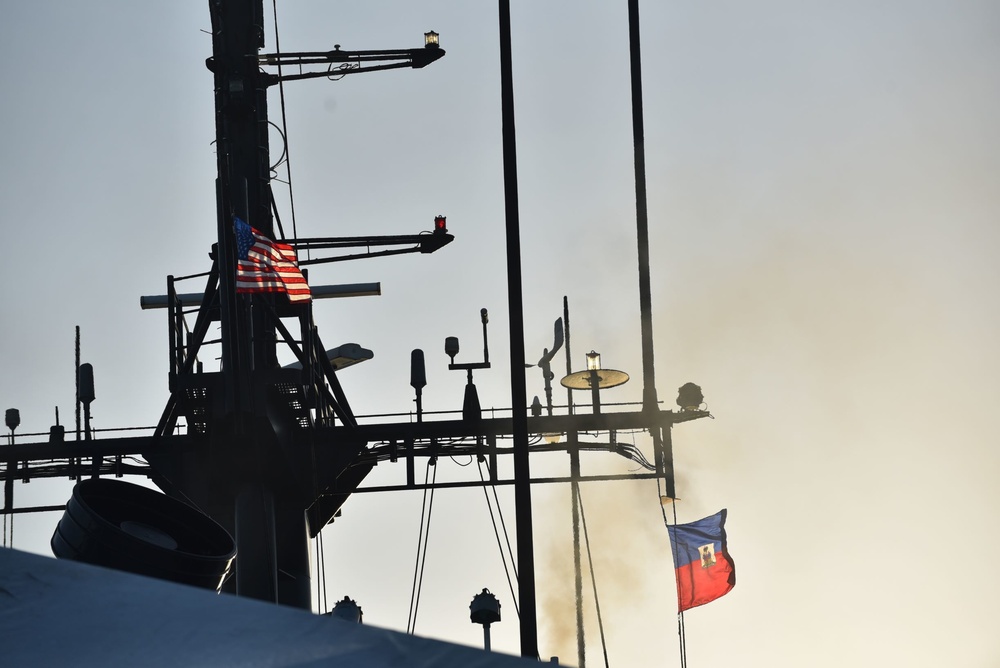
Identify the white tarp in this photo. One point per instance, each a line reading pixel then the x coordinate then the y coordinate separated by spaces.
pixel 55 612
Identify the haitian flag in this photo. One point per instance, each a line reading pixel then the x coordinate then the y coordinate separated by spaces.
pixel 703 568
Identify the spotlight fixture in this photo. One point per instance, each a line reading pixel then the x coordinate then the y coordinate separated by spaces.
pixel 689 397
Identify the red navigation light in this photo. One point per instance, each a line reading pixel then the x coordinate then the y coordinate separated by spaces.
pixel 439 225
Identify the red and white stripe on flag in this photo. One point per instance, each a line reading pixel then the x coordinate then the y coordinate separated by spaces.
pixel 270 266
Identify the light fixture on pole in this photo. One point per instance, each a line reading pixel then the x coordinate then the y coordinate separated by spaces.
pixel 341 357
pixel 689 397
pixel 595 379
pixel 348 610
pixel 485 609
pixel 340 62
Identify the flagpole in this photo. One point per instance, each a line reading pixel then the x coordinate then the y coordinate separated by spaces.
pixel 515 307
pixel 681 637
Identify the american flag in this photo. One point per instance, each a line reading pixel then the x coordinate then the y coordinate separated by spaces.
pixel 263 265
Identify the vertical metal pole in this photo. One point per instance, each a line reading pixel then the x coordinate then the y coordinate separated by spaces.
pixel 642 223
pixel 569 357
pixel 410 469
pixel 492 441
pixel 76 374
pixel 292 558
pixel 247 340
pixel 256 564
pixel 664 465
pixel 228 318
pixel 519 398
pixel 574 465
pixel 668 461
pixel 95 461
pixel 8 494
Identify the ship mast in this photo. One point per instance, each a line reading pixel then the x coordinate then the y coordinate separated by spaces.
pixel 271 453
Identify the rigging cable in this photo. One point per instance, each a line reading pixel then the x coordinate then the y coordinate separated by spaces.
pixel 593 580
pixel 284 130
pixel 680 617
pixel 8 506
pixel 681 636
pixel 423 538
pixel 503 557
pixel 503 525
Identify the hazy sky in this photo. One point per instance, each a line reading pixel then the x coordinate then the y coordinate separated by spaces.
pixel 823 208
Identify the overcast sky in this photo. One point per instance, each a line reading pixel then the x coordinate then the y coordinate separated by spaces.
pixel 823 208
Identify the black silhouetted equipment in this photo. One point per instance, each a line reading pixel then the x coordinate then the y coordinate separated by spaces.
pixel 418 379
pixel 119 525
pixel 471 410
pixel 545 363
pixel 595 379
pixel 85 396
pixel 689 397
pixel 57 432
pixel 256 457
pixel 12 418
pixel 485 610
pixel 348 610
pixel 339 63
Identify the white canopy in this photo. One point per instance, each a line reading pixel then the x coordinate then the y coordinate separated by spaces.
pixel 55 612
